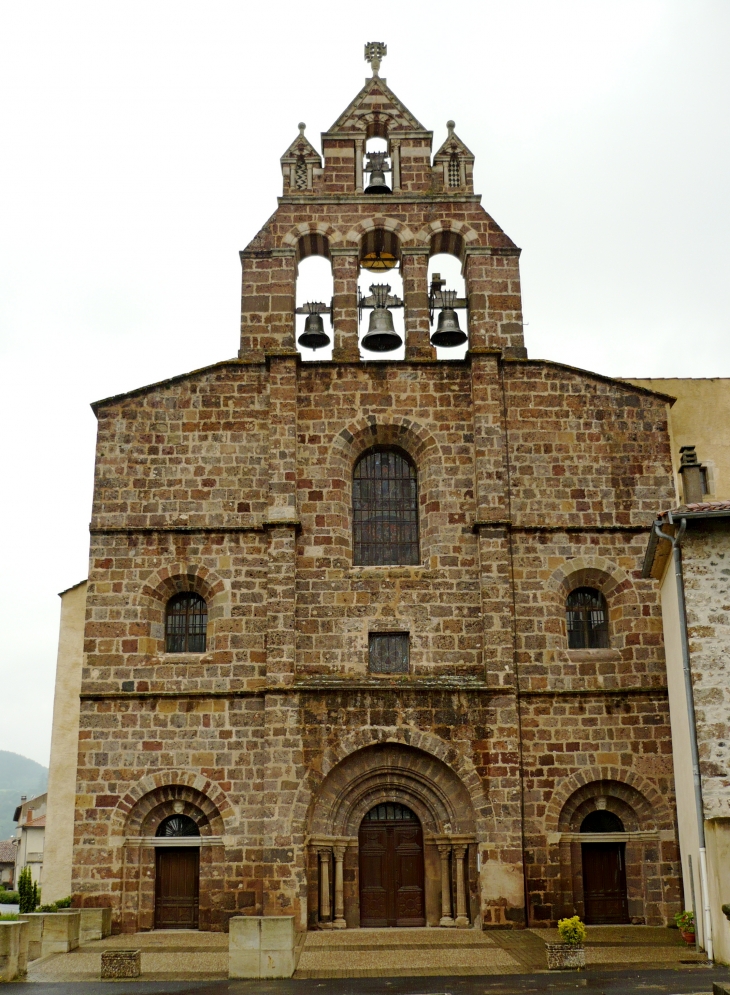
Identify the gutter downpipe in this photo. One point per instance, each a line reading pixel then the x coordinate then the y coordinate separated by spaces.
pixel 676 541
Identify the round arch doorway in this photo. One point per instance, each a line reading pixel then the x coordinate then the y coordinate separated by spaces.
pixel 177 875
pixel 391 867
pixel 604 872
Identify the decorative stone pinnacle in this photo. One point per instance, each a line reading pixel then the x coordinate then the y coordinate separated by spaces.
pixel 374 52
pixel 451 125
pixel 301 127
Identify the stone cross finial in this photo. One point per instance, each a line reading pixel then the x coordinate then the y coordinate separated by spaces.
pixel 302 126
pixel 451 125
pixel 374 52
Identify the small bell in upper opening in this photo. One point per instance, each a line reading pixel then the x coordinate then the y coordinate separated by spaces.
pixel 314 335
pixel 376 166
pixel 381 335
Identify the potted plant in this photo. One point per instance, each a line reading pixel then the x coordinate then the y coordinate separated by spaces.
pixel 685 922
pixel 570 954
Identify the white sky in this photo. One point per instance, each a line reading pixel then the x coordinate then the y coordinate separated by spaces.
pixel 140 152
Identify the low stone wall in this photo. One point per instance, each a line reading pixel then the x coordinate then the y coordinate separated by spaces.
pixel 13 949
pixel 261 947
pixel 35 933
pixel 61 931
pixel 95 924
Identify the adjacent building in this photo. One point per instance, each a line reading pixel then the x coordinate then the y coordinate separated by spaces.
pixel 365 638
pixel 30 817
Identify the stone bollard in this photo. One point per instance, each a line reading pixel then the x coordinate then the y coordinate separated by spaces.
pixel 261 947
pixel 35 933
pixel 121 963
pixel 60 931
pixel 13 949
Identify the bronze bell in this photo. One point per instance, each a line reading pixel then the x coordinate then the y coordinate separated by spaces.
pixel 381 335
pixel 314 335
pixel 377 183
pixel 448 334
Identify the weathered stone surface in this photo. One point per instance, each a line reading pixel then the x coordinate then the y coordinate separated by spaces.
pixel 121 964
pixel 13 950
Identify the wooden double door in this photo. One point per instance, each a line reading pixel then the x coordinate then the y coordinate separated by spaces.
pixel 391 873
pixel 604 883
pixel 177 882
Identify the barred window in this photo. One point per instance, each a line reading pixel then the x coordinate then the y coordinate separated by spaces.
pixel 586 617
pixel 390 812
pixel 385 509
pixel 388 653
pixel 185 624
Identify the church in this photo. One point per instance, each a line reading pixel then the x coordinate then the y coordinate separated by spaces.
pixel 365 639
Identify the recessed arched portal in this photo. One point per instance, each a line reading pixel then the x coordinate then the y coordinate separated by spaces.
pixel 390 843
pixel 604 871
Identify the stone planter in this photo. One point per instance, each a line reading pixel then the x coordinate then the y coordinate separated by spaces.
pixel 121 963
pixel 60 932
pixel 13 949
pixel 261 947
pixel 565 957
pixel 95 924
pixel 35 933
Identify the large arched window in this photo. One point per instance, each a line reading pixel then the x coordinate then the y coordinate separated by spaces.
pixel 586 617
pixel 186 620
pixel 385 509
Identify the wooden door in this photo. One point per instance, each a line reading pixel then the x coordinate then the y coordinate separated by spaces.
pixel 391 873
pixel 176 888
pixel 604 883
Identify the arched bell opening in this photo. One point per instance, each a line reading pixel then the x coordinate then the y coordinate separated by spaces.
pixel 380 292
pixel 377 163
pixel 446 285
pixel 314 292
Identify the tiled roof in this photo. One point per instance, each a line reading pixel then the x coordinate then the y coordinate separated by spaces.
pixel 702 506
pixel 36 823
pixel 7 852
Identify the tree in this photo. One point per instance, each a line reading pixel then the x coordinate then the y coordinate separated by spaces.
pixel 27 890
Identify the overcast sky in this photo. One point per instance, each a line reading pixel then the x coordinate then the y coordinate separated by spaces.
pixel 140 152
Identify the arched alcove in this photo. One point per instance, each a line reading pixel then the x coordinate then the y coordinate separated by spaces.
pixel 314 285
pixel 380 260
pixel 446 260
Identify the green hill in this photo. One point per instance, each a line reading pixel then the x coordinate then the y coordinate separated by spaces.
pixel 18 776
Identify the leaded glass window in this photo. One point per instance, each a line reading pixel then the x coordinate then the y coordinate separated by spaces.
pixel 185 624
pixel 178 825
pixel 586 618
pixel 454 171
pixel 385 509
pixel 388 653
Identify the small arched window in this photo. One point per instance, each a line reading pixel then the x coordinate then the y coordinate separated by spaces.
pixel 385 509
pixel 586 617
pixel 185 624
pixel 178 825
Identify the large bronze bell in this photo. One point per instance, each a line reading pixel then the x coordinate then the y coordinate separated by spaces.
pixel 381 335
pixel 314 335
pixel 448 334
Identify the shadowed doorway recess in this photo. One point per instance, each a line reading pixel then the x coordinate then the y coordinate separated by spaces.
pixel 604 872
pixel 177 876
pixel 391 868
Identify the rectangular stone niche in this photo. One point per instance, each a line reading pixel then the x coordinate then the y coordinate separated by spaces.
pixel 121 963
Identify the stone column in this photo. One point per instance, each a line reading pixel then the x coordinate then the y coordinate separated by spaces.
pixel 395 165
pixel 446 917
pixel 462 920
pixel 325 913
pixel 414 269
pixel 339 923
pixel 345 269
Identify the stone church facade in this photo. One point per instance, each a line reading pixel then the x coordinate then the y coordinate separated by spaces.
pixel 289 709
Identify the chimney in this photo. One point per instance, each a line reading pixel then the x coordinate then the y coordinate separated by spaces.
pixel 693 476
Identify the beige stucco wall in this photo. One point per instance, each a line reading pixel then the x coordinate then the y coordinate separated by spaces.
pixel 689 844
pixel 64 746
pixel 700 417
pixel 717 838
